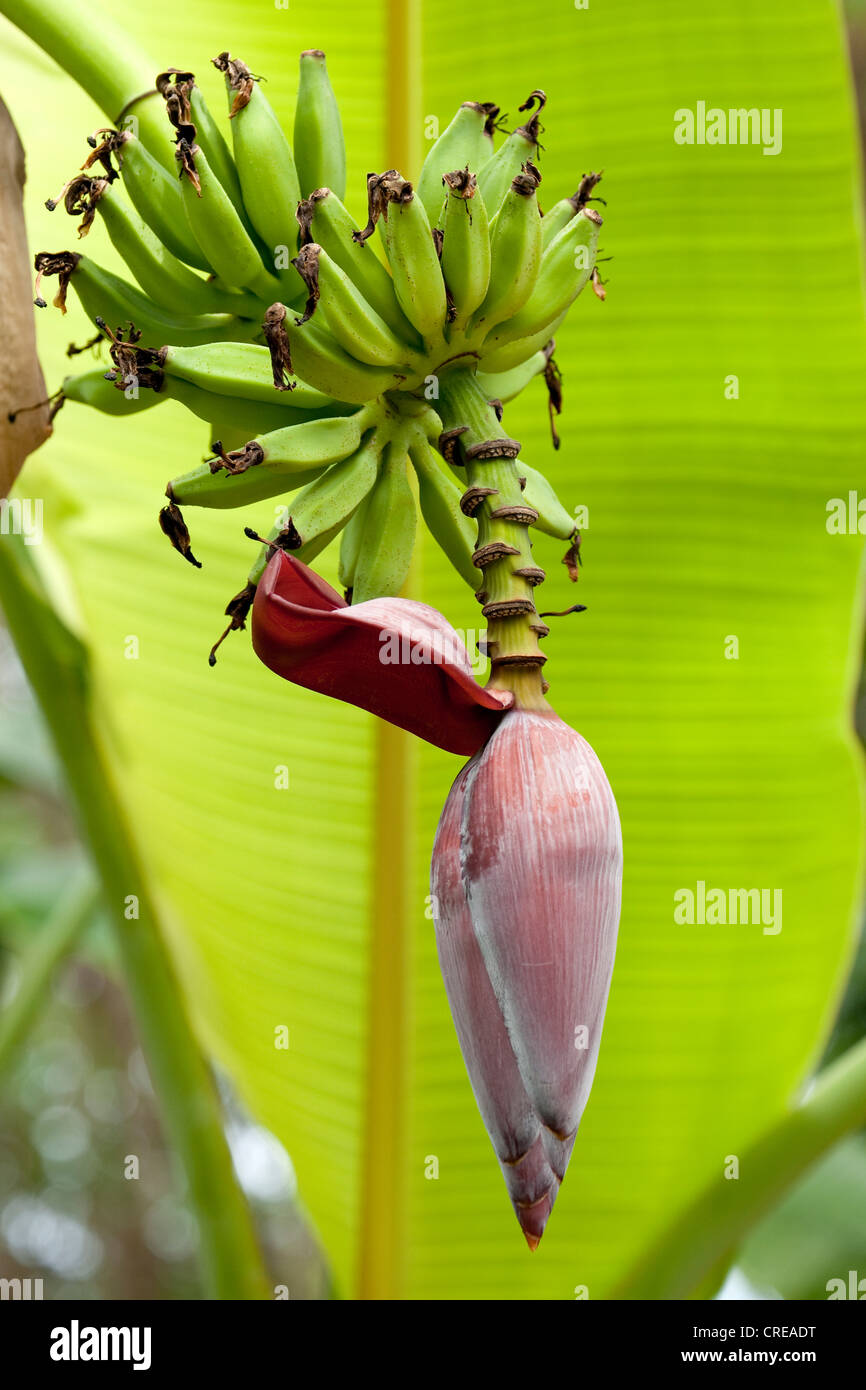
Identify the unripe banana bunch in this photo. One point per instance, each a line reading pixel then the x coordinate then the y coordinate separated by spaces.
pixel 317 362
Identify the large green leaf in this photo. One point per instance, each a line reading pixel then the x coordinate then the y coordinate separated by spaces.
pixel 707 520
pixel 817 1233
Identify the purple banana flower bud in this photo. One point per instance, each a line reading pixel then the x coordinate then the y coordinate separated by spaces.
pixel 526 883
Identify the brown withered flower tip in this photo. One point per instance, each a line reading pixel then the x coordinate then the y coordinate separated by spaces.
pixel 132 363
pixel 281 541
pixel 461 183
pixel 553 382
pixel 54 403
pixel 289 538
pixel 527 181
pixel 581 196
pixel 237 609
pixel 383 189
pixel 80 197
pixel 564 612
pixel 491 112
pixel 532 128
pixel 173 525
pixel 185 154
pixel 236 460
pixel 76 349
pixel 277 339
pixel 304 214
pixel 571 559
pixel 176 95
pixel 306 263
pixel 59 263
pixel 102 152
pixel 241 80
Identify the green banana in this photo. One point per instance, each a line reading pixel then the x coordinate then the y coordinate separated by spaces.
pixel 515 250
pixel 505 386
pixel 268 177
pixel 320 152
pixel 244 370
pixel 274 463
pixel 553 519
pixel 467 141
pixel 324 506
pixel 94 389
pixel 312 352
pixel 350 545
pixel 385 552
pixel 411 252
pixel 496 361
pixel 161 275
pixel 217 153
pixel 324 219
pixel 188 113
pixel 219 231
pixel 104 295
pixel 224 414
pixel 521 145
pixel 202 488
pixel 562 212
pixel 157 198
pixel 353 323
pixel 232 416
pixel 566 266
pixel 440 497
pixel 465 246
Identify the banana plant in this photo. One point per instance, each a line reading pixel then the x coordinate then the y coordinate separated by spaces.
pixel 380 361
pixel 465 303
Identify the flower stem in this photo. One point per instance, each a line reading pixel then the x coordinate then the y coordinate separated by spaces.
pixel 706 1235
pixel 503 554
pixel 104 60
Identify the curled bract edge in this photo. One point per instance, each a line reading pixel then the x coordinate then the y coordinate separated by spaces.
pixel 395 657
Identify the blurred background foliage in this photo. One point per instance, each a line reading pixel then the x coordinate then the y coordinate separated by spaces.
pixel 76 1102
pixel 76 1099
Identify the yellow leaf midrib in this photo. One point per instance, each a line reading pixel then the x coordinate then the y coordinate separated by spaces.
pixel 382 1213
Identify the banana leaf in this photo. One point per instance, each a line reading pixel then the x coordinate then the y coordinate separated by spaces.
pixel 713 407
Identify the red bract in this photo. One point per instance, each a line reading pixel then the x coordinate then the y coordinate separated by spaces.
pixel 399 659
pixel 526 883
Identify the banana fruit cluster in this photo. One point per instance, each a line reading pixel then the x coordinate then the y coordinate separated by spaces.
pixel 317 360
